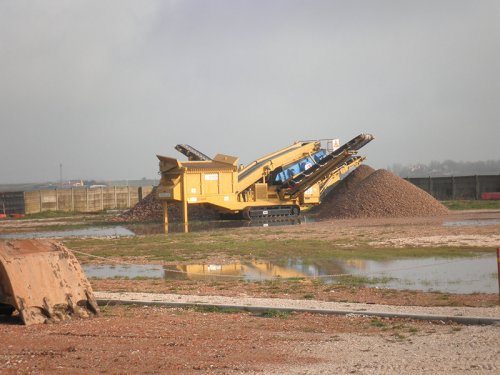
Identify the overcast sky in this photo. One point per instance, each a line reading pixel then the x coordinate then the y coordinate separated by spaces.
pixel 102 86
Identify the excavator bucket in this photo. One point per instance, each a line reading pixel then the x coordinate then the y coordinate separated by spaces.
pixel 44 282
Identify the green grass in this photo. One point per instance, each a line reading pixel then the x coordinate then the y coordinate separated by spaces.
pixel 376 322
pixel 472 204
pixel 353 280
pixel 52 215
pixel 216 309
pixel 200 246
pixel 412 330
pixel 276 314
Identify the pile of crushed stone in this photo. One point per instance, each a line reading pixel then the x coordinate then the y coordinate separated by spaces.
pixel 150 209
pixel 369 193
pixel 348 183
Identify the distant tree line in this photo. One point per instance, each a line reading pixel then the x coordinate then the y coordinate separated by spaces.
pixel 447 168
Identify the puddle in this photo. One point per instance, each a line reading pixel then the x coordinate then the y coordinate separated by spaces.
pixel 145 229
pixel 223 224
pixel 115 231
pixel 457 275
pixel 129 272
pixel 465 223
pixel 199 226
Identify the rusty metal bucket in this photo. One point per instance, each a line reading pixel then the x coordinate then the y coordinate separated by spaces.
pixel 44 282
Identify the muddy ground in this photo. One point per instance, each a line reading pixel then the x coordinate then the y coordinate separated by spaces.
pixel 165 341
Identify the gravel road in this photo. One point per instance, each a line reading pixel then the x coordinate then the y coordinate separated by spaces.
pixel 358 308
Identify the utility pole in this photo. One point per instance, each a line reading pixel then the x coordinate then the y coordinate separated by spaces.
pixel 60 175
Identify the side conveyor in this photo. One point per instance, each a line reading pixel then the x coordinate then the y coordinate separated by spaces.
pixel 332 163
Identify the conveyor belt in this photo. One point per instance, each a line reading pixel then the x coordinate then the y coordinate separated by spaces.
pixel 245 173
pixel 333 161
pixel 192 153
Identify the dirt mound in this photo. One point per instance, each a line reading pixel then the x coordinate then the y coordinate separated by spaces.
pixel 150 209
pixel 378 194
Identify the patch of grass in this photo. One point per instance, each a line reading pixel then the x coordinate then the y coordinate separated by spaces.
pixel 276 314
pixel 271 284
pixel 106 311
pixel 399 335
pixel 412 330
pixel 200 246
pixel 295 279
pixel 472 204
pixel 375 322
pixel 52 215
pixel 311 330
pixel 317 282
pixel 215 309
pixel 353 280
pixel 144 278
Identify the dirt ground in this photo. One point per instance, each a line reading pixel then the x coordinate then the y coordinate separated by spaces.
pixel 153 340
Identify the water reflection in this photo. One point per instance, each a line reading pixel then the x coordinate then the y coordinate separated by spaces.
pixel 124 272
pixel 251 271
pixel 146 229
pixel 459 275
pixel 198 226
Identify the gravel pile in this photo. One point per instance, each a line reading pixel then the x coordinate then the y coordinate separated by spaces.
pixel 378 194
pixel 150 209
pixel 348 183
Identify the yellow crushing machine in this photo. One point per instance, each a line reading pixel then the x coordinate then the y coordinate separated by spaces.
pixel 279 184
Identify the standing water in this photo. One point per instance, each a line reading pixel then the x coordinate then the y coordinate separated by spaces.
pixel 455 275
pixel 114 231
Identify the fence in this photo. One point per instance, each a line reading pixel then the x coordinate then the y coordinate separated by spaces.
pixel 78 199
pixel 12 202
pixel 460 187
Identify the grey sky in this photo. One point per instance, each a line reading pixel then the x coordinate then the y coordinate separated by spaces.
pixel 103 86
